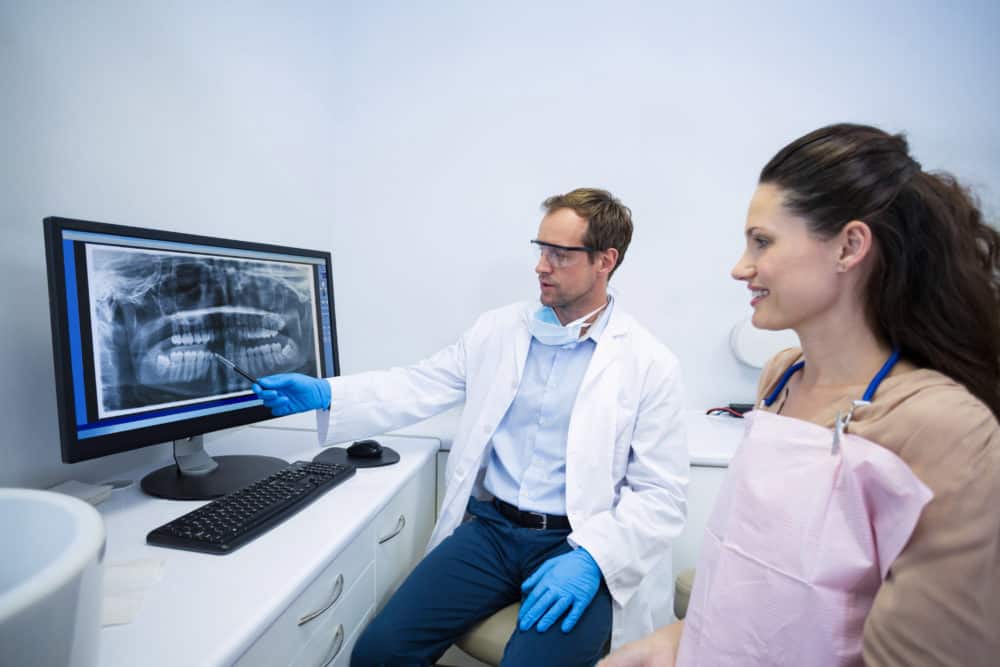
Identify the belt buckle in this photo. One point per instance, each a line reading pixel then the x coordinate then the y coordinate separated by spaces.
pixel 543 517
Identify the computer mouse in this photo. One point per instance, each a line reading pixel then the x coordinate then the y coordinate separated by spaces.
pixel 365 449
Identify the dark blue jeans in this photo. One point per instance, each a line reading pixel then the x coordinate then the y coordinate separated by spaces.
pixel 477 571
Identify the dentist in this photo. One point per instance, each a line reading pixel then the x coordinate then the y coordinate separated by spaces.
pixel 570 460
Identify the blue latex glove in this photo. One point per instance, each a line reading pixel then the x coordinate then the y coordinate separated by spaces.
pixel 287 393
pixel 569 581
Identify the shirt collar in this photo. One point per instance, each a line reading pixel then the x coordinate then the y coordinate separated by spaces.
pixel 598 327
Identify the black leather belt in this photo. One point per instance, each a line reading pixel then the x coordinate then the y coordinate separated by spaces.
pixel 535 520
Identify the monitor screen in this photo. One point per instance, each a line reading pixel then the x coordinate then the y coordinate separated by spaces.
pixel 140 316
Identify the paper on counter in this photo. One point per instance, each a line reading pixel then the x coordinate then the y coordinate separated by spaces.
pixel 91 493
pixel 125 586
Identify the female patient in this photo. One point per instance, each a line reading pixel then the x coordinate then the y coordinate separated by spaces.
pixel 860 520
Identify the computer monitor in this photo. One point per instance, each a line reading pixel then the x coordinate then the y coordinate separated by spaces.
pixel 138 316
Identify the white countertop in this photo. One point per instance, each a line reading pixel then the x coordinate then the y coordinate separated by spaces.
pixel 207 609
pixel 712 440
pixel 441 426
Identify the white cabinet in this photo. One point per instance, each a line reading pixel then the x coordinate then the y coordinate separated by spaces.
pixel 442 477
pixel 702 491
pixel 402 531
pixel 335 637
pixel 298 595
pixel 713 442
pixel 346 585
pixel 323 622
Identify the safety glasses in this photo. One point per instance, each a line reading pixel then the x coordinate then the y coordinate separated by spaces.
pixel 558 256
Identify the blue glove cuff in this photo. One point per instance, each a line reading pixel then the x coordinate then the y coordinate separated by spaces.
pixel 324 394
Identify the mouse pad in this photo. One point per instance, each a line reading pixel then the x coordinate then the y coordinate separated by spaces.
pixel 339 455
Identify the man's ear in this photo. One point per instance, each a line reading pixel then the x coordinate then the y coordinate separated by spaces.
pixel 609 259
pixel 855 243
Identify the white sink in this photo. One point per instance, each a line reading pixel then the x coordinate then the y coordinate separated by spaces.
pixel 50 579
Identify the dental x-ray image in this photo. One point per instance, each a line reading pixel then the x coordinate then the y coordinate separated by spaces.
pixel 158 317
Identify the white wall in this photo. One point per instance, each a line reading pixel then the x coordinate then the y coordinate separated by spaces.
pixel 415 140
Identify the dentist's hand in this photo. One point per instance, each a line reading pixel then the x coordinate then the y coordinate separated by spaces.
pixel 566 582
pixel 287 393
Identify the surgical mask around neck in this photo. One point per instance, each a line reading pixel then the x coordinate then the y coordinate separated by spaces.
pixel 548 330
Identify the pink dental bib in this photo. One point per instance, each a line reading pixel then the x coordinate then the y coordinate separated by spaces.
pixel 800 539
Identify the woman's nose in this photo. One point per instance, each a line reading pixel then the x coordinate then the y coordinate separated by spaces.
pixel 742 270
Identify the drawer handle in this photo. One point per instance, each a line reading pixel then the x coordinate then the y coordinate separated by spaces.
pixel 338 642
pixel 400 525
pixel 338 588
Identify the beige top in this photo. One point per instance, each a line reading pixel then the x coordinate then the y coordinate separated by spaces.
pixel 940 603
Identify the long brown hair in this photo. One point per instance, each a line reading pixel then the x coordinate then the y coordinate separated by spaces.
pixel 934 288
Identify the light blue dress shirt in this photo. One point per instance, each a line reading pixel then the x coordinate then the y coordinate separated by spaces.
pixel 527 465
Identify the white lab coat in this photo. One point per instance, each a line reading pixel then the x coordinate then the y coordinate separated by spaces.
pixel 626 454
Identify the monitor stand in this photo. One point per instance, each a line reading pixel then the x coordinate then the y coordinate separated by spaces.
pixel 198 476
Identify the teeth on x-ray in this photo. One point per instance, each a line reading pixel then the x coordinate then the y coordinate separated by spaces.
pixel 161 316
pixel 259 349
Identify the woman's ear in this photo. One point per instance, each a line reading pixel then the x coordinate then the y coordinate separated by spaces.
pixel 855 244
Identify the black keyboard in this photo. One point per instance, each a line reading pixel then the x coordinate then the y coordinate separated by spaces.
pixel 229 522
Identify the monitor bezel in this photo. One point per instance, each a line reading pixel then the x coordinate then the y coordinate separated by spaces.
pixel 74 449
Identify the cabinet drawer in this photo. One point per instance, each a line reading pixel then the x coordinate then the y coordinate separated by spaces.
pixel 402 530
pixel 320 600
pixel 334 639
pixel 343 659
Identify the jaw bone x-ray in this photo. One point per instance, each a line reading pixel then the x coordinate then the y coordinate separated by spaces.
pixel 158 318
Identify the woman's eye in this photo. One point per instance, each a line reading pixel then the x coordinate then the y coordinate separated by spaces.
pixel 761 242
